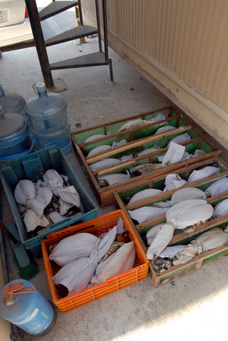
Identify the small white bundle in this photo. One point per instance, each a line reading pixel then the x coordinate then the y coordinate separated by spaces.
pixel 122 260
pixel 100 149
pixel 164 129
pixel 206 241
pixel 158 117
pixel 144 194
pixel 181 138
pixel 179 216
pixel 217 187
pixel 71 248
pixel 104 164
pixel 149 150
pixel 146 213
pixel 118 144
pixel 174 154
pixel 32 220
pixel 182 195
pixel 197 175
pixel 53 181
pixel 172 251
pixel 24 191
pixel 112 179
pixel 221 208
pixel 198 152
pixel 133 124
pixel 56 217
pixel 94 137
pixel 41 201
pixel 173 181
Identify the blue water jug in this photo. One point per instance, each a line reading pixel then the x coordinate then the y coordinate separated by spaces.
pixel 49 123
pixel 23 305
pixel 12 102
pixel 15 140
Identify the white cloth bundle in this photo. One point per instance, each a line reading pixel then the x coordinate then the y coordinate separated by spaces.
pixel 148 150
pixel 118 144
pixel 71 248
pixel 164 129
pixel 198 152
pixel 181 138
pixel 144 194
pixel 182 195
pixel 173 181
pixel 217 187
pixel 221 208
pixel 112 179
pixel 174 154
pixel 133 124
pixel 146 213
pixel 104 164
pixel 77 274
pixel 32 220
pixel 94 137
pixel 159 117
pixel 56 217
pixel 126 157
pixel 100 149
pixel 24 191
pixel 179 216
pixel 197 175
pixel 206 241
pixel 122 260
pixel 172 251
pixel 53 181
pixel 42 199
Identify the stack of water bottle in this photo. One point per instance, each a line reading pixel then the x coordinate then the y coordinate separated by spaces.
pixel 33 125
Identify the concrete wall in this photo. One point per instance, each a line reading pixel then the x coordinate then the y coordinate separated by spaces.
pixel 181 47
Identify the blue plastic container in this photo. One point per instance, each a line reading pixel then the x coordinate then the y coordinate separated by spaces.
pixel 28 310
pixel 49 123
pixel 15 140
pixel 12 102
pixel 32 167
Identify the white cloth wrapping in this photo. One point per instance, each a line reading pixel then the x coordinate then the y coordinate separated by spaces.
pixel 159 117
pixel 221 208
pixel 217 187
pixel 94 137
pixel 174 154
pixel 172 251
pixel 173 181
pixel 148 150
pixel 179 216
pixel 206 241
pixel 181 138
pixel 197 175
pixel 53 181
pixel 56 217
pixel 71 248
pixel 100 149
pixel 24 191
pixel 198 152
pixel 113 178
pixel 122 260
pixel 126 157
pixel 181 195
pixel 104 164
pixel 42 199
pixel 164 129
pixel 144 194
pixel 146 213
pixel 32 220
pixel 118 144
pixel 133 124
pixel 77 274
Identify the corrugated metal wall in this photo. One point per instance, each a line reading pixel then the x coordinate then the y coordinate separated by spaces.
pixel 187 38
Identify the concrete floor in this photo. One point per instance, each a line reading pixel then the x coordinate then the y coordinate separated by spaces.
pixel 192 308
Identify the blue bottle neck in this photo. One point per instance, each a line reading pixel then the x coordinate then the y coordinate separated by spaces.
pixel 42 94
pixel 2 93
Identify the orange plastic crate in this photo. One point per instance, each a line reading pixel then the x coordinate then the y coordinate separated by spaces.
pixel 96 226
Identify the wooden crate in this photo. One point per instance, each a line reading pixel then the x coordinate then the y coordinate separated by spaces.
pixel 138 139
pixel 121 200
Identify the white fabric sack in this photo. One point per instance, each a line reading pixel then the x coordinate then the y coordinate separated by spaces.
pixel 71 248
pixel 174 154
pixel 206 241
pixel 94 137
pixel 126 157
pixel 198 152
pixel 100 149
pixel 32 220
pixel 104 164
pixel 41 201
pixel 221 208
pixel 77 274
pixel 53 181
pixel 148 150
pixel 217 187
pixel 114 178
pixel 182 195
pixel 64 207
pixel 181 138
pixel 24 191
pixel 164 129
pixel 133 124
pixel 159 117
pixel 144 194
pixel 146 213
pixel 70 196
pixel 179 216
pixel 197 175
pixel 56 217
pixel 118 144
pixel 173 181
pixel 172 251
pixel 122 260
